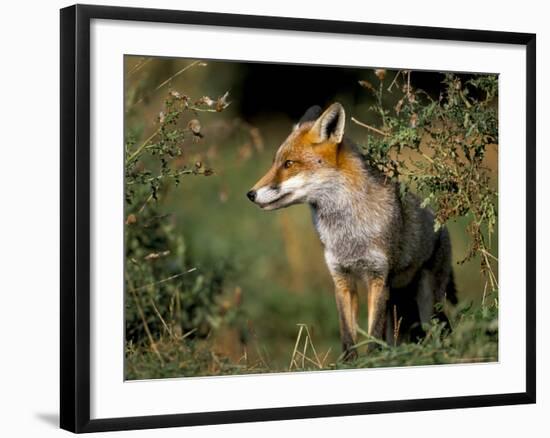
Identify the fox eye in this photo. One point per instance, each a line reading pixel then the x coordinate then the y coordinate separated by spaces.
pixel 288 163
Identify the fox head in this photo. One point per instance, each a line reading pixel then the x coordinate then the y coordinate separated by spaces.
pixel 304 165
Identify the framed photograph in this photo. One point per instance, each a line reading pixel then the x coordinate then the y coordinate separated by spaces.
pixel 268 218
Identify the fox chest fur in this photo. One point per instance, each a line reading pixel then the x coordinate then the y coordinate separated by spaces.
pixel 369 230
pixel 355 226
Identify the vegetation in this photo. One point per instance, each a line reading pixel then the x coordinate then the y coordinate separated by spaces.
pixel 204 293
pixel 439 146
pixel 161 298
pixel 475 339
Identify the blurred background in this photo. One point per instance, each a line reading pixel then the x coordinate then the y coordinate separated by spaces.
pixel 269 269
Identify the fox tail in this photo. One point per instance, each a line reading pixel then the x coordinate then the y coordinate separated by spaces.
pixel 451 290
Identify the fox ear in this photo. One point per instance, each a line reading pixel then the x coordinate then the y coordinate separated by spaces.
pixel 330 125
pixel 312 113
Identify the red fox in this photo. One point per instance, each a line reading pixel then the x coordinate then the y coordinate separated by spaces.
pixel 369 232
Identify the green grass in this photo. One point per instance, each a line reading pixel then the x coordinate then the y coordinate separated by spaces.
pixel 474 339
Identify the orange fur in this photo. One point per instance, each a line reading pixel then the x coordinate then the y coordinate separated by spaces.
pixel 307 155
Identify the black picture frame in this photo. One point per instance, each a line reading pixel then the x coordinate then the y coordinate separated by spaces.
pixel 75 217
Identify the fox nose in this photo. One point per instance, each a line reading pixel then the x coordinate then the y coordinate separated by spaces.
pixel 251 195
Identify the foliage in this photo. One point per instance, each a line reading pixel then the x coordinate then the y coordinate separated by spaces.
pixel 474 339
pixel 440 146
pixel 166 294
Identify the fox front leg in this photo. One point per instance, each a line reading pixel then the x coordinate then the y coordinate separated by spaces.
pixel 346 303
pixel 378 295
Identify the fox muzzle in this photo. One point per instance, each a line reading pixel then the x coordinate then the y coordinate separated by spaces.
pixel 251 194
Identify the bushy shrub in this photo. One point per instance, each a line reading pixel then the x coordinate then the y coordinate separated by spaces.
pixel 166 294
pixel 439 146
